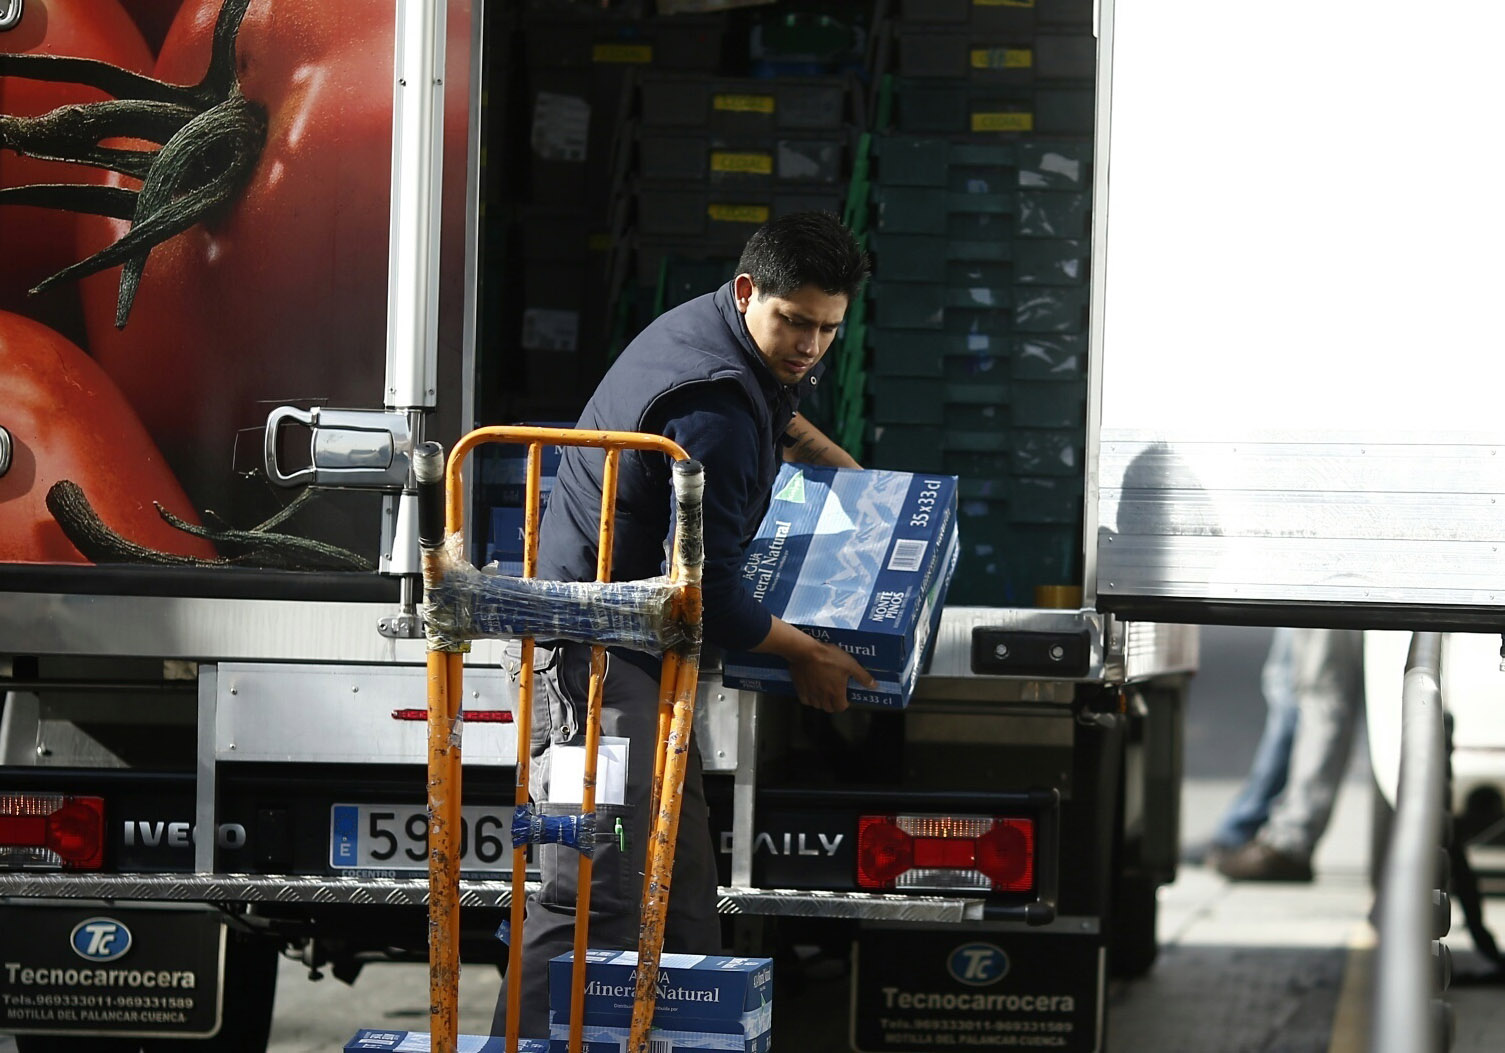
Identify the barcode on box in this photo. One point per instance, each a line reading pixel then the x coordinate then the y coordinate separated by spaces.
pixel 660 1045
pixel 908 555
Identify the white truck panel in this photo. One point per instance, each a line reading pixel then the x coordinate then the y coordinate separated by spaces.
pixel 1298 359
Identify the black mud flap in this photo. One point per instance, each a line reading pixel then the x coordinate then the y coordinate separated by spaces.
pixel 974 987
pixel 106 969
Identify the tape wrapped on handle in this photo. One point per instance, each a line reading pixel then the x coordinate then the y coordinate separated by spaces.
pixel 460 604
pixel 572 831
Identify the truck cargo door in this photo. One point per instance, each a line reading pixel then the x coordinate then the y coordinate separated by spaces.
pixel 1296 359
pixel 226 376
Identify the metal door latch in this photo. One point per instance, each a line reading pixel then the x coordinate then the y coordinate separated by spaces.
pixel 402 625
pixel 355 449
pixel 10 14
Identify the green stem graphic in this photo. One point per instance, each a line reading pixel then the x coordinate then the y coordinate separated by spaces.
pixel 210 139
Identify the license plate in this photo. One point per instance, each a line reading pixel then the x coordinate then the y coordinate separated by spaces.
pixel 396 837
pixel 108 970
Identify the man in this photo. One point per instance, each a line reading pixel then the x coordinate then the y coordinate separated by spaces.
pixel 722 376
pixel 1323 673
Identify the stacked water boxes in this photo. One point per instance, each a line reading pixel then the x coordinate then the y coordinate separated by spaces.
pixel 500 473
pixel 372 1040
pixel 977 314
pixel 702 1002
pixel 717 157
pixel 859 559
pixel 580 65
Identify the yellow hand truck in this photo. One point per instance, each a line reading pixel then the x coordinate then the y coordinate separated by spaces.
pixel 461 604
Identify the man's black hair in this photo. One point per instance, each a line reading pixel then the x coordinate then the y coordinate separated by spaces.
pixel 804 248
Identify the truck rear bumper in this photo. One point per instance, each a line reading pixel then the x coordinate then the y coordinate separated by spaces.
pixel 400 892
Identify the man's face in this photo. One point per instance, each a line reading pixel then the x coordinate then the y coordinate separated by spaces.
pixel 791 332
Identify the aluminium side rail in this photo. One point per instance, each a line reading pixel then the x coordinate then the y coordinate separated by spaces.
pixel 1407 1014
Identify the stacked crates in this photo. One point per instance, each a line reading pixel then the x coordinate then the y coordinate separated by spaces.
pixel 580 62
pixel 976 320
pixel 718 156
pixel 713 155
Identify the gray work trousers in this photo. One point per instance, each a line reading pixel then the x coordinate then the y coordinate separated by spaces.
pixel 629 710
pixel 1327 680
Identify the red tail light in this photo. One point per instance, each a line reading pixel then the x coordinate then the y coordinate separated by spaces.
pixel 986 853
pixel 51 831
pixel 472 716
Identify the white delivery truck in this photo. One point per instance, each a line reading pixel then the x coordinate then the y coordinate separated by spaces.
pixel 1163 405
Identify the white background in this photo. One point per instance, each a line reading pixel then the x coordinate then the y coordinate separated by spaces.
pixel 1305 219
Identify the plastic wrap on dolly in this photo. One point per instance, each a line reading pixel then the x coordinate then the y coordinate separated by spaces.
pixel 462 604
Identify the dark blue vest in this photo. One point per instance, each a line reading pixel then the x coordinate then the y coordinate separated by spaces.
pixel 704 341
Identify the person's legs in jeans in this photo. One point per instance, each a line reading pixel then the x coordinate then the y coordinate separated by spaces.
pixel 1267 772
pixel 1328 670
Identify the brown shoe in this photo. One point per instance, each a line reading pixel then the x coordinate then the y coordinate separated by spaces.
pixel 1257 861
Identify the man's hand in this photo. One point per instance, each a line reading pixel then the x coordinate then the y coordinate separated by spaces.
pixel 821 671
pixel 821 678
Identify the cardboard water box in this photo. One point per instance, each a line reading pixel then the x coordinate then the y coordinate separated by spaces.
pixel 369 1040
pixel 504 545
pixel 861 559
pixel 769 673
pixel 501 488
pixel 704 1002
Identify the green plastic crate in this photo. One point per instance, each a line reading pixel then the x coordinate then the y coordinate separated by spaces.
pixel 905 447
pixel 1047 451
pixel 928 50
pixel 751 160
pixel 1043 261
pixel 1045 499
pixel 1049 403
pixel 959 107
pixel 1004 566
pixel 981 309
pixel 922 353
pixel 1048 356
pixel 985 16
pixel 963 356
pixel 977 464
pixel 1050 309
pixel 910 400
pixel 756 106
pixel 989 489
pixel 1014 213
pixel 983 520
pixel 683 279
pixel 724 216
pixel 935 161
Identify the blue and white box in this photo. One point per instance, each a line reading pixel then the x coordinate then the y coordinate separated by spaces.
pixel 703 1002
pixel 370 1040
pixel 501 484
pixel 858 558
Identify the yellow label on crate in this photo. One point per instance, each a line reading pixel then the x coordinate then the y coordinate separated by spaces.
pixel 1003 3
pixel 749 163
pixel 1002 58
pixel 738 213
pixel 622 53
pixel 1003 122
pixel 743 103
